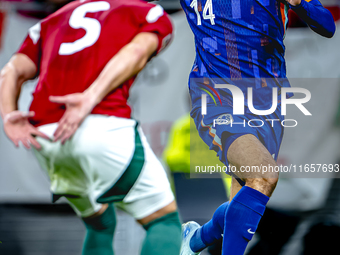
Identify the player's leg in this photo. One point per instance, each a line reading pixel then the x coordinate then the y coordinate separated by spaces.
pixel 159 226
pixel 247 206
pixel 212 231
pixel 163 226
pixel 151 202
pixel 102 163
pixel 100 225
pixel 246 150
pixel 76 162
pixel 235 188
pixel 100 229
pixel 118 150
pixel 208 233
pixel 236 147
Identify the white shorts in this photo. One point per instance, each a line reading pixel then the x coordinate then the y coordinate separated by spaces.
pixel 107 160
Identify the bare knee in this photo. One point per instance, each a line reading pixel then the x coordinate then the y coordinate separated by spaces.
pixel 254 164
pixel 100 212
pixel 172 207
pixel 266 185
pixel 263 175
pixel 267 179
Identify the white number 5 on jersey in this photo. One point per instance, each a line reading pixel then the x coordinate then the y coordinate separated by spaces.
pixel 90 25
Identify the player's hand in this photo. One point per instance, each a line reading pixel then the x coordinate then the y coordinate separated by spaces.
pixel 78 106
pixel 18 129
pixel 294 2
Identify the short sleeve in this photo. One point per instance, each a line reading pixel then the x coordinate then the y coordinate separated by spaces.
pixel 155 20
pixel 31 46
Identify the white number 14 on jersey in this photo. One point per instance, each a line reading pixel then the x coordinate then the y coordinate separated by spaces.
pixel 207 12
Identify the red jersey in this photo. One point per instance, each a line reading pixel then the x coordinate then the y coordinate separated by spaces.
pixel 72 46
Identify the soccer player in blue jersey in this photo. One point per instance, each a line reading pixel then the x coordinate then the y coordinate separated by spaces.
pixel 240 43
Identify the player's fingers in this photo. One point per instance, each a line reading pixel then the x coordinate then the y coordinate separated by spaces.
pixel 35 143
pixel 28 114
pixel 64 129
pixel 17 115
pixel 58 99
pixel 25 142
pixel 65 137
pixel 13 116
pixel 60 128
pixel 68 134
pixel 69 99
pixel 58 131
pixel 16 142
pixel 36 132
pixel 59 134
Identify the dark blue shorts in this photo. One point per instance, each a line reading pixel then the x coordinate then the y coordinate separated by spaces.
pixel 219 133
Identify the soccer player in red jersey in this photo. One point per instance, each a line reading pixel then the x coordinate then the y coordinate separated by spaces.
pixel 87 56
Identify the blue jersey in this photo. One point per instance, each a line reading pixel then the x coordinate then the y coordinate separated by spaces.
pixel 241 43
pixel 237 41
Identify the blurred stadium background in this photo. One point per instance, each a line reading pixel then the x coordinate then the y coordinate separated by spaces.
pixel 303 215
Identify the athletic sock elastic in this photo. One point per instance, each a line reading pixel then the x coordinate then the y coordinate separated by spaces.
pixel 210 232
pixel 163 236
pixel 99 234
pixel 241 220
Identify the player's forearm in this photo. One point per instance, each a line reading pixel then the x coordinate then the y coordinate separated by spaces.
pixel 18 70
pixel 319 19
pixel 10 84
pixel 124 65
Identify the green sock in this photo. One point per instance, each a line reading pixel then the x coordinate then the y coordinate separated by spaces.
pixel 163 236
pixel 99 234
